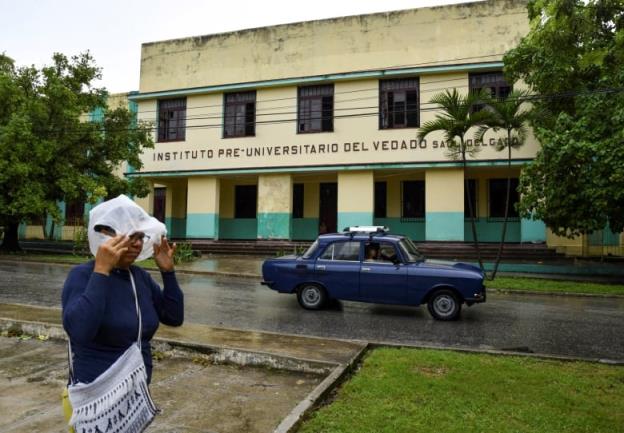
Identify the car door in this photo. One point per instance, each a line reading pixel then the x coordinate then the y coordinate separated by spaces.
pixel 381 279
pixel 338 269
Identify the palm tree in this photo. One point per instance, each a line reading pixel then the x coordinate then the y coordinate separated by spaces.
pixel 456 118
pixel 510 114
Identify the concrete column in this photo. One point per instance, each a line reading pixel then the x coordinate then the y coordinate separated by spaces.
pixel 175 210
pixel 274 206
pixel 356 192
pixel 202 218
pixel 444 205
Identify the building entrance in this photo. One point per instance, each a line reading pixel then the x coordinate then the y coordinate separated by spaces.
pixel 328 208
pixel 160 197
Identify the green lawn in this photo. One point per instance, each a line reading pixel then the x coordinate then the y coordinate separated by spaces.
pixel 422 391
pixel 554 286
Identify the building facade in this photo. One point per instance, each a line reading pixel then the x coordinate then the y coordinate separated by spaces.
pixel 289 131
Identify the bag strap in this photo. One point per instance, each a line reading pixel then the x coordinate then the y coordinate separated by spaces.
pixel 136 303
pixel 138 310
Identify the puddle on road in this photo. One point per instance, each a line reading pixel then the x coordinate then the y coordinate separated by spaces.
pixel 194 394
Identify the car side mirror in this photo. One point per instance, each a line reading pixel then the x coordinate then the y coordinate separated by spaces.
pixel 396 261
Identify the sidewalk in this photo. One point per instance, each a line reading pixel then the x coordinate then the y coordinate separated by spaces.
pixel 205 379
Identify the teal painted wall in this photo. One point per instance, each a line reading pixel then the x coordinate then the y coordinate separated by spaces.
pixel 274 225
pixel 21 231
pixel 444 226
pixel 202 225
pixel 305 229
pixel 176 227
pixel 532 231
pixel 415 230
pixel 347 219
pixel 604 237
pixel 491 230
pixel 97 115
pixel 238 228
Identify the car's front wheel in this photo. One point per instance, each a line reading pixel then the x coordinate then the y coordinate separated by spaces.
pixel 311 296
pixel 444 304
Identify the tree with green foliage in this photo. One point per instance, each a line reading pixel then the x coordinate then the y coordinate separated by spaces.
pixel 512 115
pixel 50 152
pixel 573 59
pixel 456 118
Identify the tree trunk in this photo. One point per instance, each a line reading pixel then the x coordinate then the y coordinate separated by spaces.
pixel 10 243
pixel 43 225
pixel 472 214
pixel 502 241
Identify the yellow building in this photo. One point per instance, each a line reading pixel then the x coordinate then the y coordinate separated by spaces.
pixel 287 131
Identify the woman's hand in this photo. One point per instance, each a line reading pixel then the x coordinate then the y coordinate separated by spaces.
pixel 163 255
pixel 109 253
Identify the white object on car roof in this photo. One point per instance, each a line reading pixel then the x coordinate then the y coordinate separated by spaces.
pixel 366 229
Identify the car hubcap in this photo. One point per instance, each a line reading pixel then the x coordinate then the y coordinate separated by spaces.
pixel 311 295
pixel 444 305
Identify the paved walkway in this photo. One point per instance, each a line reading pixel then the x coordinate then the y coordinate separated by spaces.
pixel 320 350
pixel 201 390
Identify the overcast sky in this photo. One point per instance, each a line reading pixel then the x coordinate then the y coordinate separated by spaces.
pixel 113 30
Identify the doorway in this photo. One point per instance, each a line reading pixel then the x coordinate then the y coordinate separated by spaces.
pixel 160 196
pixel 328 208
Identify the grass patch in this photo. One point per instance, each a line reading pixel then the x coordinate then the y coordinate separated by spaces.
pixel 554 286
pixel 412 390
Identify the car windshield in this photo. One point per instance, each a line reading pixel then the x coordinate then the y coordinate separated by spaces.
pixel 410 251
pixel 310 250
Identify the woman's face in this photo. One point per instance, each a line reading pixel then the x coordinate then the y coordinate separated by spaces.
pixel 135 246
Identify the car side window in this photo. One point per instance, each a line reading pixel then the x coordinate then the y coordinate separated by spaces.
pixel 342 251
pixel 382 252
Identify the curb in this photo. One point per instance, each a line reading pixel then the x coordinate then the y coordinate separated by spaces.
pixel 308 404
pixel 567 294
pixel 217 354
pixel 499 352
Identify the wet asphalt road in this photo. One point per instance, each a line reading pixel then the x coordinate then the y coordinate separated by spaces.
pixel 571 326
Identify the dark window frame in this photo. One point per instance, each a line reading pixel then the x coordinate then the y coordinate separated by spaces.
pixel 306 96
pixel 380 204
pixel 298 200
pixel 418 214
pixel 332 245
pixel 492 80
pixel 513 213
pixel 242 211
pixel 388 104
pixel 168 112
pixel 231 103
pixel 74 213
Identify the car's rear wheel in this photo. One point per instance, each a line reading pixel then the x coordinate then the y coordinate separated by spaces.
pixel 311 296
pixel 444 304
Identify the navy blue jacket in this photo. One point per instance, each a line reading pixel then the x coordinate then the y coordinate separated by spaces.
pixel 100 316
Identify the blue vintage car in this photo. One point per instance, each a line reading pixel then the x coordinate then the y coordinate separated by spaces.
pixel 368 264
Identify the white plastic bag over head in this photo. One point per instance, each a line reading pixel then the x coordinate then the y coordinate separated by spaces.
pixel 125 217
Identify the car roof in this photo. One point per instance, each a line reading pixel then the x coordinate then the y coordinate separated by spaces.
pixel 330 237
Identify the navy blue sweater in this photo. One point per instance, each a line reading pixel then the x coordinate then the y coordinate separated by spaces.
pixel 100 316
